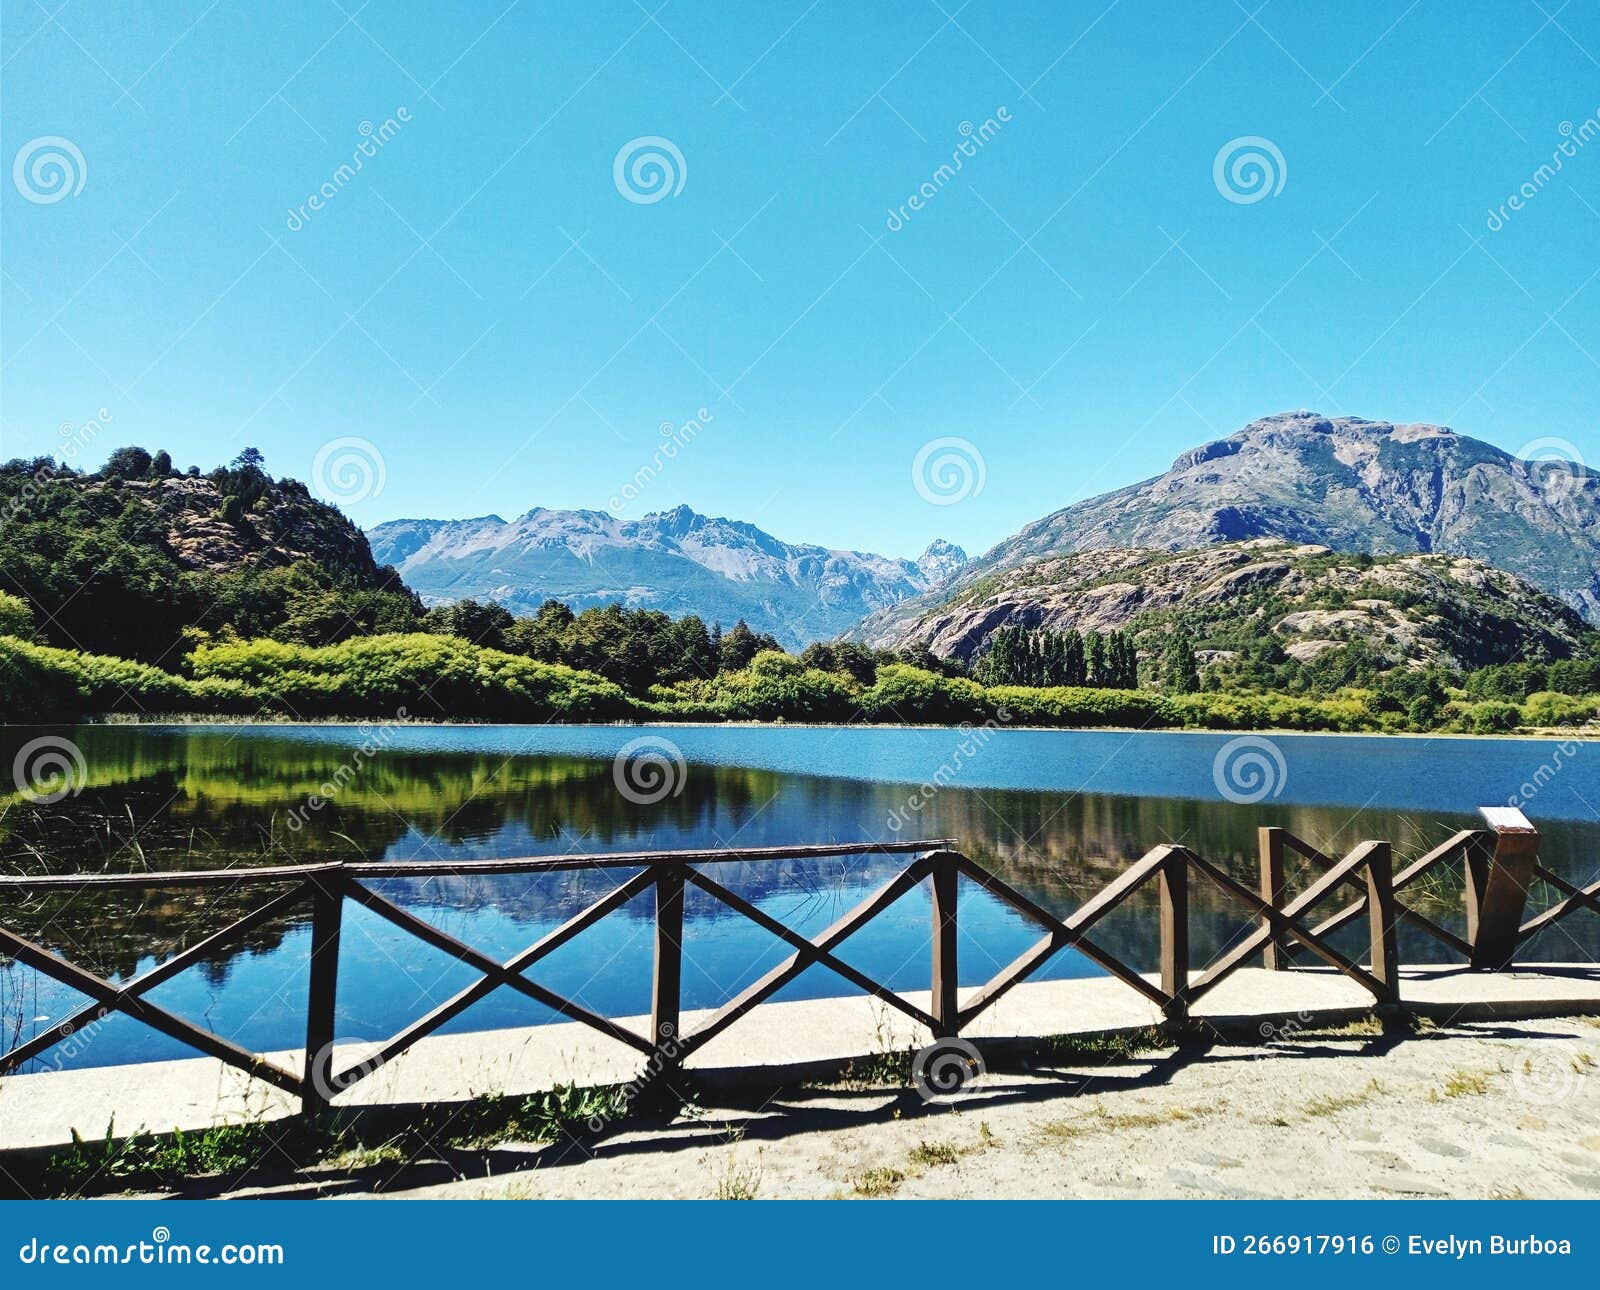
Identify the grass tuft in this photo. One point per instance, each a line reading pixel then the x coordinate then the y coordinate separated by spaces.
pixel 881 1181
pixel 736 1181
pixel 143 1161
pixel 1122 1043
pixel 927 1154
pixel 1333 1103
pixel 1462 1083
pixel 1103 1121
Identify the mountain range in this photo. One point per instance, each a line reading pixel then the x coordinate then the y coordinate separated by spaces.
pixel 677 561
pixel 1344 483
pixel 126 558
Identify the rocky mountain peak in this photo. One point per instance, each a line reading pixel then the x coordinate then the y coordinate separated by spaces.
pixel 1350 437
pixel 940 560
pixel 680 520
pixel 679 561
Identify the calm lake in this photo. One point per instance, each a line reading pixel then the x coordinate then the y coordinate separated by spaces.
pixel 1058 813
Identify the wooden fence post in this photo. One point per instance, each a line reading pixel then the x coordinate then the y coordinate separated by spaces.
pixel 1476 859
pixel 1496 903
pixel 1381 919
pixel 327 919
pixel 1269 841
pixel 945 977
pixel 1173 884
pixel 666 993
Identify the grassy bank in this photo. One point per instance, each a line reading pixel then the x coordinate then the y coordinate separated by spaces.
pixel 429 677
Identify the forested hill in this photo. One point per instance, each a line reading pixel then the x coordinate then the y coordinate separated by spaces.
pixel 1264 612
pixel 122 559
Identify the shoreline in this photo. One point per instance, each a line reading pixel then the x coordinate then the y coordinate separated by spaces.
pixel 1554 734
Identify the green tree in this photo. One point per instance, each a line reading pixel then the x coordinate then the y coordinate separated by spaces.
pixel 127 463
pixel 850 658
pixel 1094 651
pixel 16 617
pixel 687 652
pixel 98 568
pixel 924 659
pixel 741 645
pixel 1074 664
pixel 1182 670
pixel 544 636
pixel 482 624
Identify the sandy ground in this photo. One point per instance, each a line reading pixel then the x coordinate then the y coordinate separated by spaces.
pixel 1491 1109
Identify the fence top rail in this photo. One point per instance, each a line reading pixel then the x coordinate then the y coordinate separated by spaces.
pixel 264 875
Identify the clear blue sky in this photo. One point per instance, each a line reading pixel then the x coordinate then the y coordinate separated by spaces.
pixel 1080 301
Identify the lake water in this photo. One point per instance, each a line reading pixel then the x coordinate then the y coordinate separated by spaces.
pixel 1057 813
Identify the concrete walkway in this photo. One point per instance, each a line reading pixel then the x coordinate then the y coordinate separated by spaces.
pixel 776 1043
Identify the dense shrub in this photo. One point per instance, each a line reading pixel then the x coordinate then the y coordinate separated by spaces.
pixel 415 675
pixel 1067 705
pixel 40 683
pixel 16 617
pixel 1486 718
pixel 1351 711
pixel 425 676
pixel 773 687
pixel 911 695
pixel 1548 708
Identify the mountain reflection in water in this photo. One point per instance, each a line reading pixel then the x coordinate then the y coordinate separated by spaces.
pixel 1056 813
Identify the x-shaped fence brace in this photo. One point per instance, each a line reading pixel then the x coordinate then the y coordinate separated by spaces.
pixel 1277 921
pixel 326 887
pixel 1459 842
pixel 1477 849
pixel 1572 900
pixel 128 998
pixel 1169 867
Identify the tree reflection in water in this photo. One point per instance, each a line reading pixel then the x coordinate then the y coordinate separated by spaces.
pixel 235 797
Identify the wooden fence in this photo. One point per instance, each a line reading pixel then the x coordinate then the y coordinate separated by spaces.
pixel 1500 866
